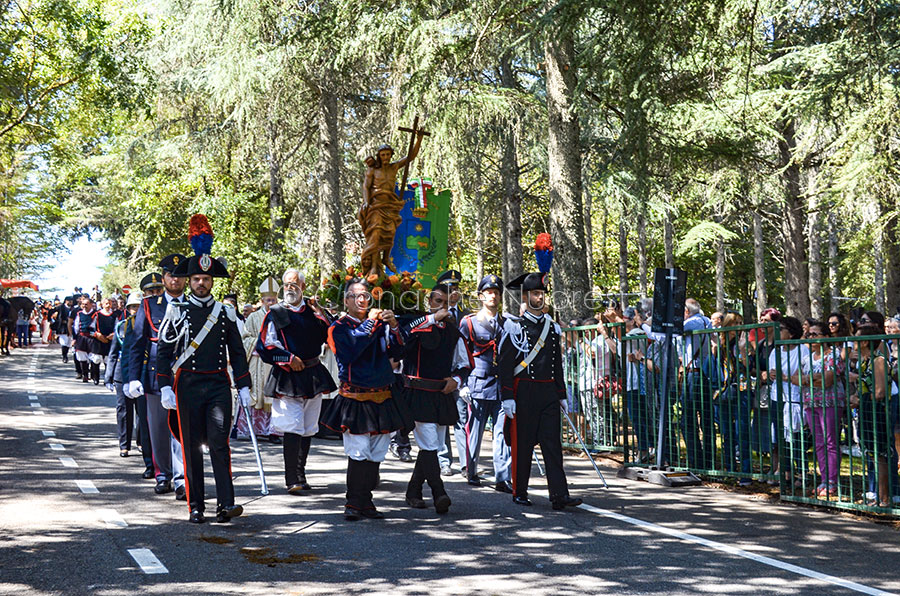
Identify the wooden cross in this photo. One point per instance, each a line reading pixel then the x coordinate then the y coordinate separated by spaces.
pixel 412 139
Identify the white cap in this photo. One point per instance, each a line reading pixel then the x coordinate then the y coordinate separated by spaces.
pixel 134 299
pixel 269 287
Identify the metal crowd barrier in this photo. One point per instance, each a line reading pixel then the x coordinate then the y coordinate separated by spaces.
pixel 819 437
pixel 839 430
pixel 594 400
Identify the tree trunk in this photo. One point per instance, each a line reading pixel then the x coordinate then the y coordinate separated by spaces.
pixel 720 275
pixel 891 249
pixel 570 275
pixel 330 241
pixel 479 236
pixel 759 264
pixel 816 302
pixel 511 214
pixel 276 191
pixel 669 241
pixel 588 238
pixel 796 273
pixel 834 271
pixel 623 258
pixel 877 246
pixel 642 250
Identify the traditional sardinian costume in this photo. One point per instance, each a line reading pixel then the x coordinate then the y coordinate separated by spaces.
pixel 295 333
pixel 105 324
pixel 365 410
pixel 434 353
pixel 86 351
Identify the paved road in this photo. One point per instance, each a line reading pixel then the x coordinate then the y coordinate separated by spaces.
pixel 632 539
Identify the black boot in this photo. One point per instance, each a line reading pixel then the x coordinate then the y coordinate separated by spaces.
pixel 78 373
pixel 414 487
pixel 435 482
pixel 355 490
pixel 305 443
pixel 65 353
pixel 85 371
pixel 291 451
pixel 95 372
pixel 371 481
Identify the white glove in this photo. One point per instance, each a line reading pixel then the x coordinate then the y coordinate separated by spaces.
pixel 134 389
pixel 465 394
pixel 244 396
pixel 564 406
pixel 509 407
pixel 111 387
pixel 167 398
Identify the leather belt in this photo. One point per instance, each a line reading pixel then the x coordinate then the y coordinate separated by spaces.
pixel 424 384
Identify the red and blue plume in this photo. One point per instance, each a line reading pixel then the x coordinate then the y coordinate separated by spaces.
pixel 200 234
pixel 543 252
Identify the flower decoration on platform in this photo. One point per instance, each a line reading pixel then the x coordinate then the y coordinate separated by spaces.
pixel 398 292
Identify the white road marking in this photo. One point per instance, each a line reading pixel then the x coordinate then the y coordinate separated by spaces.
pixel 87 487
pixel 112 518
pixel 32 397
pixel 35 404
pixel 732 550
pixel 147 561
pixel 48 433
pixel 38 412
pixel 68 462
pixel 57 447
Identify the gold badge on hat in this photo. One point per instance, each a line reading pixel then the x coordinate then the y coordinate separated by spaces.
pixel 175 260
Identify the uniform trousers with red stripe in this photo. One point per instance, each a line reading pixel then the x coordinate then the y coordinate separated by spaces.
pixel 204 416
pixel 537 422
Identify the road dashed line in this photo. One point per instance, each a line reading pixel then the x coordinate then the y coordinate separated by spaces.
pixel 68 462
pixel 48 433
pixel 87 487
pixel 112 518
pixel 147 561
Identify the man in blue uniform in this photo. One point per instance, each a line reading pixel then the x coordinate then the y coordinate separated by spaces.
pixel 436 362
pixel 291 339
pixel 533 391
pixel 482 391
pixel 142 377
pixel 197 339
pixel 364 411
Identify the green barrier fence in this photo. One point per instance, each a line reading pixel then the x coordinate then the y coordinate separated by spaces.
pixel 839 427
pixel 819 436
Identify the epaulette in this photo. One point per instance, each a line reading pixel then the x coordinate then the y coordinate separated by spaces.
pixel 159 299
